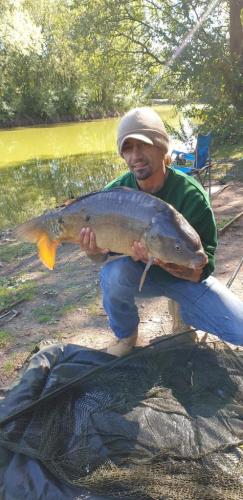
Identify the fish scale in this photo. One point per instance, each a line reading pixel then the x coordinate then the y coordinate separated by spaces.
pixel 120 201
pixel 118 217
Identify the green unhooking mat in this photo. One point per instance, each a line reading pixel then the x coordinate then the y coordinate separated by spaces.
pixel 165 422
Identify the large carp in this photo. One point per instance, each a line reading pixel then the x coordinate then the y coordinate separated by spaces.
pixel 118 217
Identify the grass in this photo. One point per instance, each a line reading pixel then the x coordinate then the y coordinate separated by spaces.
pixel 8 367
pixel 5 339
pixel 47 313
pixel 13 290
pixel 220 224
pixel 12 251
pixel 68 307
pixel 50 313
pixel 93 308
pixel 13 363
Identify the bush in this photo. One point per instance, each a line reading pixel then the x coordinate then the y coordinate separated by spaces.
pixel 224 120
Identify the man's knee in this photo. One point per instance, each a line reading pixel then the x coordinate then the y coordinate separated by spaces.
pixel 119 273
pixel 110 274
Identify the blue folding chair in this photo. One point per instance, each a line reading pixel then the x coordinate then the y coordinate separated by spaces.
pixel 197 163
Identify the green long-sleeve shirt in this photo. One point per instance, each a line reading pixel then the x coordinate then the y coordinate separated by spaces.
pixel 190 199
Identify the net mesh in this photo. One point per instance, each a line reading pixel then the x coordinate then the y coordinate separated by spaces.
pixel 219 477
pixel 166 422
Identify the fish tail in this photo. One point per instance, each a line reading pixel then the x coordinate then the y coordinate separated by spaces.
pixel 47 250
pixel 31 232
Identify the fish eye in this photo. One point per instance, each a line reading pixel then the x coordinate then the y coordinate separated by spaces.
pixel 178 246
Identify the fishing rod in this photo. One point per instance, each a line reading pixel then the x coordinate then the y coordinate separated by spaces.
pixel 230 281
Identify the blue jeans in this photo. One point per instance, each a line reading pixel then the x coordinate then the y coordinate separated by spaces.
pixel 207 306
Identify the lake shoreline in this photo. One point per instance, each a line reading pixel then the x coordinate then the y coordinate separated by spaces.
pixel 31 122
pixel 28 121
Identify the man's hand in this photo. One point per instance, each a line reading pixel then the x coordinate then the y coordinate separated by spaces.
pixel 182 272
pixel 140 252
pixel 88 242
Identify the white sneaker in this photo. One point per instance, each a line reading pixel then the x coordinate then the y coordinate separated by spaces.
pixel 122 346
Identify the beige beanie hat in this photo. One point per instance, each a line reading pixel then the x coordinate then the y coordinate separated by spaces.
pixel 145 125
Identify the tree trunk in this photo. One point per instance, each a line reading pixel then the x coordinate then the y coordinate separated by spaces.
pixel 236 50
pixel 236 28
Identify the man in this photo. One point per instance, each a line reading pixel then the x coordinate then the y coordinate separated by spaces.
pixel 204 302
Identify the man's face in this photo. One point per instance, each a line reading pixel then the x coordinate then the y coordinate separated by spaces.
pixel 143 159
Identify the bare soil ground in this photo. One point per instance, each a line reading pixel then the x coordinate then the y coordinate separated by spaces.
pixel 66 306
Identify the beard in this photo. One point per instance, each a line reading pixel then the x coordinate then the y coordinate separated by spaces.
pixel 142 173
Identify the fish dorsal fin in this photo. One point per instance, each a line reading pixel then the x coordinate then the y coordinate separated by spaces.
pixel 119 188
pixel 105 190
pixel 47 250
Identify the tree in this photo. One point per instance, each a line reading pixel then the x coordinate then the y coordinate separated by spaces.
pixel 197 48
pixel 114 63
pixel 236 50
pixel 66 61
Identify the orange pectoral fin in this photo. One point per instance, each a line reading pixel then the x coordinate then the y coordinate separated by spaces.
pixel 47 251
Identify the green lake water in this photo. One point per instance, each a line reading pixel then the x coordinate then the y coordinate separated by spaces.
pixel 40 167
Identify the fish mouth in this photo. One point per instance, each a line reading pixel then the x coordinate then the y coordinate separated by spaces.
pixel 201 260
pixel 197 261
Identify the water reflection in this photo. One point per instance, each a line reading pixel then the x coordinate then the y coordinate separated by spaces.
pixel 29 189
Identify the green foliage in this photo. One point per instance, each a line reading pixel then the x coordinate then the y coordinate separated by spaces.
pixel 207 70
pixel 60 61
pixel 65 60
pixel 222 118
